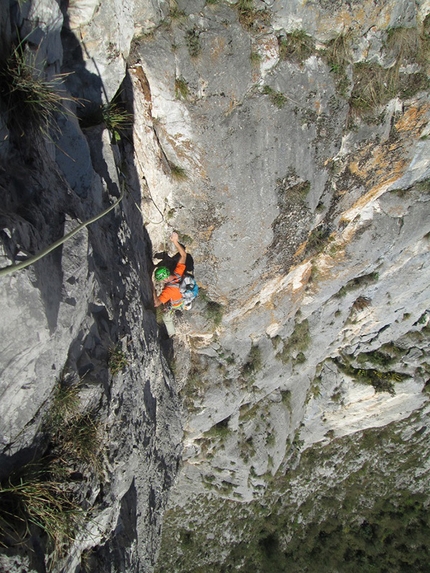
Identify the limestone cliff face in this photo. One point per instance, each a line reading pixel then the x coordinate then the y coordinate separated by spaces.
pixel 287 142
pixel 308 218
pixel 68 317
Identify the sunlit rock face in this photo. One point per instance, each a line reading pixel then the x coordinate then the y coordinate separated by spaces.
pixel 287 143
pixel 308 219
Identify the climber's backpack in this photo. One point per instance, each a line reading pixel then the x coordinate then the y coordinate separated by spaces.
pixel 188 288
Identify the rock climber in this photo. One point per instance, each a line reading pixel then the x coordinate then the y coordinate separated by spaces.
pixel 171 296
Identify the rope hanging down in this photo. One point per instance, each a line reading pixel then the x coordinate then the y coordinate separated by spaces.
pixel 23 264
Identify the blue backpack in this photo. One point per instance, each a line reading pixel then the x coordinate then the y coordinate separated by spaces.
pixel 189 290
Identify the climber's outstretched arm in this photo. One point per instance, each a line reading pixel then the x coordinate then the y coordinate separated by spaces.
pixel 175 240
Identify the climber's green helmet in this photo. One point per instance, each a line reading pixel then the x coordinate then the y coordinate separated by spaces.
pixel 162 273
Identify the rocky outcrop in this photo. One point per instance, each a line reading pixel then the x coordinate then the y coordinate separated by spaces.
pixel 67 317
pixel 308 223
pixel 287 142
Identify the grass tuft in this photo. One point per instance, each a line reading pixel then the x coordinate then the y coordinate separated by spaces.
pixel 181 88
pixel 116 119
pixel 338 55
pixel 403 43
pixel 251 18
pixel 117 360
pixel 44 494
pixel 32 102
pixel 277 98
pixel 297 46
pixel 74 435
pixel 34 499
pixel 374 85
pixel 214 312
pixel 178 173
pixel 361 303
pixel 192 40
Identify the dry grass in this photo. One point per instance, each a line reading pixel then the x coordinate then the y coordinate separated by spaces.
pixel 32 102
pixel 35 500
pixel 338 54
pixel 251 18
pixel 44 494
pixel 297 46
pixel 403 44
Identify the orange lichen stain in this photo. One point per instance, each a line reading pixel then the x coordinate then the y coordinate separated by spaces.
pixel 382 163
pixel 355 169
pixel 374 164
pixel 143 81
pixel 343 19
pixel 373 193
pixel 414 118
pixel 300 251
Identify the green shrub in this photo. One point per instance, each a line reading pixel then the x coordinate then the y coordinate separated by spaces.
pixel 277 98
pixel 296 344
pixel 356 283
pixel 317 239
pixel 192 40
pixel 181 88
pixel 220 430
pixel 381 380
pixel 255 58
pixel 286 399
pixel 175 12
pixel 293 193
pixel 214 312
pixel 254 362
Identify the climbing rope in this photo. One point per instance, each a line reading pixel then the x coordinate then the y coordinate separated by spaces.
pixel 23 264
pixel 163 219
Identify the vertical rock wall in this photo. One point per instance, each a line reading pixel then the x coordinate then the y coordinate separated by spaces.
pixel 65 317
pixel 308 220
pixel 307 216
